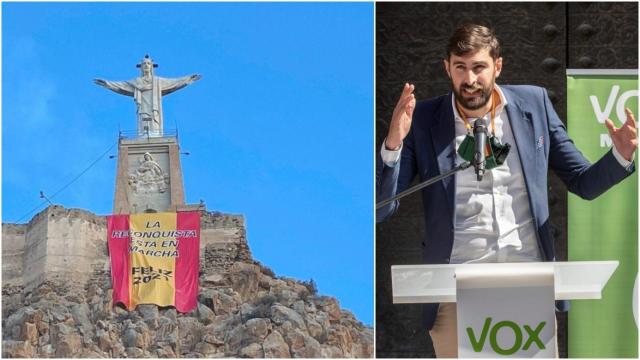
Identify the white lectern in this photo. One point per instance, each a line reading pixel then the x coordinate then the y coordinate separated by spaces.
pixel 504 309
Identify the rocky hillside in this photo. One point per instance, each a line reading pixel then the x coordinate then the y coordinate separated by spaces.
pixel 244 310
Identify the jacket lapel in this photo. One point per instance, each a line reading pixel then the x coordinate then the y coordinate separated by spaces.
pixel 524 134
pixel 443 138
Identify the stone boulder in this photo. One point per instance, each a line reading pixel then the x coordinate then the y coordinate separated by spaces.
pixel 329 305
pixel 190 333
pixel 251 351
pixel 17 349
pixel 244 279
pixel 275 346
pixel 303 345
pixel 252 332
pixel 150 314
pixel 281 314
pixel 29 332
pixel 14 323
pixel 219 302
pixel 205 314
pixel 68 345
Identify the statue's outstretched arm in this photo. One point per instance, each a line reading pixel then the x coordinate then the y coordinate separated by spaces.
pixel 121 87
pixel 171 85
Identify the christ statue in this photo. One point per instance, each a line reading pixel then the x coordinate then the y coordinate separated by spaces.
pixel 147 91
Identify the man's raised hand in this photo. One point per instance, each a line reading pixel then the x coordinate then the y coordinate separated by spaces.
pixel 401 118
pixel 624 138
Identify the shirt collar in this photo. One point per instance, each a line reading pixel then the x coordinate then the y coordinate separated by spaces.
pixel 499 108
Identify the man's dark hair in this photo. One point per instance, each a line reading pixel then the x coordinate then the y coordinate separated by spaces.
pixel 470 38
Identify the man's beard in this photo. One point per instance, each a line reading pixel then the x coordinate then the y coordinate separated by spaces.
pixel 473 103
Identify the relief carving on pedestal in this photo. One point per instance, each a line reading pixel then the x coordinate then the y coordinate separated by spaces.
pixel 148 177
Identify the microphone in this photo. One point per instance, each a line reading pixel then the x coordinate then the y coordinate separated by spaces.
pixel 480 136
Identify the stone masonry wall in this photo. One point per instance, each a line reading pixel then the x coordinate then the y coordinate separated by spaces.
pixel 13 239
pixel 61 243
pixel 222 241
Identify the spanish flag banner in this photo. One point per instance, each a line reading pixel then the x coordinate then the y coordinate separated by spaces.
pixel 155 259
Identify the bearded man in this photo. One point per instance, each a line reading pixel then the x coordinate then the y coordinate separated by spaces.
pixel 505 216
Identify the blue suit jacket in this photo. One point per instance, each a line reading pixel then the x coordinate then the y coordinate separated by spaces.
pixel 541 141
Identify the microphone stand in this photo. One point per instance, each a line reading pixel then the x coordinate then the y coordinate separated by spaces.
pixel 424 184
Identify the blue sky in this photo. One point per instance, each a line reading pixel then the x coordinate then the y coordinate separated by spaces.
pixel 280 128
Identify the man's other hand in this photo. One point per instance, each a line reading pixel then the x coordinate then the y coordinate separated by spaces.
pixel 401 119
pixel 625 138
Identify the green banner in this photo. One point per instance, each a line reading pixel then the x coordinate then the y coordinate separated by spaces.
pixel 607 227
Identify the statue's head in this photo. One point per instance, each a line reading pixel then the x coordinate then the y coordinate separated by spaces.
pixel 146 66
pixel 147 156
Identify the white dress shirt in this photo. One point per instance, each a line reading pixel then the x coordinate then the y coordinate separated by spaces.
pixel 493 218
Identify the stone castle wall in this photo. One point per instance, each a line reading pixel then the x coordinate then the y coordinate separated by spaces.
pixel 59 244
pixel 13 240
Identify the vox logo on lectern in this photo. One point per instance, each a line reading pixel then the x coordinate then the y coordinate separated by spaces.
pixel 533 336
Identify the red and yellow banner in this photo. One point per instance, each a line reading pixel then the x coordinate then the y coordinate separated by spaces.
pixel 155 259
